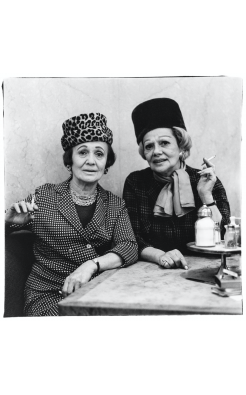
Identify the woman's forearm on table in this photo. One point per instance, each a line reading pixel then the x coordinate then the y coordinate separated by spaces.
pixel 151 254
pixel 109 261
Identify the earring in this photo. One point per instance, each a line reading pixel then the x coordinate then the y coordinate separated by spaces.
pixel 181 156
pixel 105 171
pixel 69 169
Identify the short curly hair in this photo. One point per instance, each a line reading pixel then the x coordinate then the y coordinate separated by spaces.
pixel 111 157
pixel 183 140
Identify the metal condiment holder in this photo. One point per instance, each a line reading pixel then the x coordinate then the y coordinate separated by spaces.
pixel 217 249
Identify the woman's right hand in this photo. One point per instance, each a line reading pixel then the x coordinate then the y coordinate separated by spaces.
pixel 20 213
pixel 172 260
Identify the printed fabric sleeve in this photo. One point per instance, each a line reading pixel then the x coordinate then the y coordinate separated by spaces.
pixel 132 204
pixel 124 241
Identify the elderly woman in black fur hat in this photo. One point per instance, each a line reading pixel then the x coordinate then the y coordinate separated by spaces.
pixel 80 229
pixel 163 199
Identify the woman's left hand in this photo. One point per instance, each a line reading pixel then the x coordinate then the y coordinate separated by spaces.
pixel 207 180
pixel 79 277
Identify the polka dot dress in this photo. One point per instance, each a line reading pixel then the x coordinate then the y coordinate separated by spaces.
pixel 62 244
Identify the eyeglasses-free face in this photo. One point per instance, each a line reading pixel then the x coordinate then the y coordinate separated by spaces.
pixel 161 151
pixel 89 161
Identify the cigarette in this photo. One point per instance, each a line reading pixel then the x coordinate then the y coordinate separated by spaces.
pixel 32 203
pixel 212 157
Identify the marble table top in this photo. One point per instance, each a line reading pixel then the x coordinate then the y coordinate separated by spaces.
pixel 147 289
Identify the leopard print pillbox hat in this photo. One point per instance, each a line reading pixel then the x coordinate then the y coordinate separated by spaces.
pixel 84 128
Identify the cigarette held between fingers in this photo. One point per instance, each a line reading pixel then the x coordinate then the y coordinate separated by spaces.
pixel 205 171
pixel 32 204
pixel 212 157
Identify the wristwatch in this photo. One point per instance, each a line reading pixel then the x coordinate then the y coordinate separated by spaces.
pixel 211 204
pixel 95 260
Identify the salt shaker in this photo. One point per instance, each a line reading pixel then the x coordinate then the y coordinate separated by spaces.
pixel 204 228
pixel 217 233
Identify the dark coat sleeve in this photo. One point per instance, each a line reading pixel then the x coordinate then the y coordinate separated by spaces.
pixel 219 195
pixel 133 205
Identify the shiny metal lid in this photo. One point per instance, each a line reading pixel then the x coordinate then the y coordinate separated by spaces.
pixel 204 211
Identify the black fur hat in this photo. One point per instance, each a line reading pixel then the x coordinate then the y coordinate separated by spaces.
pixel 156 113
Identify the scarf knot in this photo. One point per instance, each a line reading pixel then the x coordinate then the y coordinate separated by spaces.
pixel 176 195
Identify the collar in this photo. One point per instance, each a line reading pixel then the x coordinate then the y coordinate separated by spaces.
pixel 66 206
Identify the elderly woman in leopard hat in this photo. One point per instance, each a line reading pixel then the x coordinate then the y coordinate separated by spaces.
pixel 80 229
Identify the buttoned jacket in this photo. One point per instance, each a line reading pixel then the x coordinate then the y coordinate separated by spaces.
pixel 62 244
pixel 166 233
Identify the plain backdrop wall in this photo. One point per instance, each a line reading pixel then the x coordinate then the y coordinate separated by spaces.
pixel 35 108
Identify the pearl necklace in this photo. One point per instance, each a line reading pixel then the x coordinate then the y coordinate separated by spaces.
pixel 83 200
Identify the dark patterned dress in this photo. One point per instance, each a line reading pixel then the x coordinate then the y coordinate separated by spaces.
pixel 62 244
pixel 166 233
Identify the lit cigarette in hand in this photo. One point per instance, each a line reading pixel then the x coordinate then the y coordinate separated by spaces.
pixel 212 157
pixel 32 204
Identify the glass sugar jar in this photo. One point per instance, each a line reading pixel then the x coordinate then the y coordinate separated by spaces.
pixel 204 228
pixel 237 230
pixel 230 236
